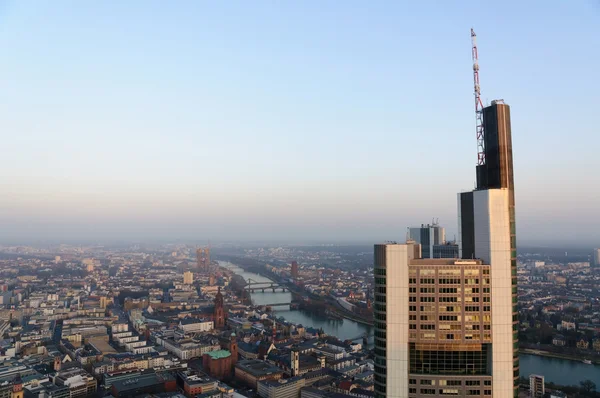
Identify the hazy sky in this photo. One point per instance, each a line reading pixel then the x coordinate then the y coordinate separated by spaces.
pixel 337 120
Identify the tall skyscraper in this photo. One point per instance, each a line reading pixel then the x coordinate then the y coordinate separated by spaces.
pixel 596 258
pixel 432 239
pixel 449 326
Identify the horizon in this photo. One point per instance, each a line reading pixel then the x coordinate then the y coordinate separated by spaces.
pixel 293 122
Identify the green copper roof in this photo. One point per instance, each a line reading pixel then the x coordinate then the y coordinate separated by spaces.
pixel 219 354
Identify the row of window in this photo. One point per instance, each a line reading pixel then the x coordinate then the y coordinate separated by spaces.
pixel 447 391
pixel 448 336
pixel 430 299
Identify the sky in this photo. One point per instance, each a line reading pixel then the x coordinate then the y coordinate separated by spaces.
pixel 290 121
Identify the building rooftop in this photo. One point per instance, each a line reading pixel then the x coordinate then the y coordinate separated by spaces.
pixel 219 354
pixel 257 367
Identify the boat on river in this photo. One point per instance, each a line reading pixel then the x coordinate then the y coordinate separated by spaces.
pixel 587 362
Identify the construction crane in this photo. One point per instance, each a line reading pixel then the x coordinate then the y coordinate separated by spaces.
pixel 478 102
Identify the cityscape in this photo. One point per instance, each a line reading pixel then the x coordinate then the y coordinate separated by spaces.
pixel 177 259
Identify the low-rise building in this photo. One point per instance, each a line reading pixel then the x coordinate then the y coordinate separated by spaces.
pixel 282 388
pixel 251 371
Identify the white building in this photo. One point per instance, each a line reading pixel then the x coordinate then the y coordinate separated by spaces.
pixel 536 386
pixel 282 388
pixel 189 326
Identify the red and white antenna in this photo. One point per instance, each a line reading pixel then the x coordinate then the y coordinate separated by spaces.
pixel 478 103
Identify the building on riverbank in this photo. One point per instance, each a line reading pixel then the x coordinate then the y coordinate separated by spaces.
pixel 536 386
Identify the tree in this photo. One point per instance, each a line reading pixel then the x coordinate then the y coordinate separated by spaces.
pixel 588 386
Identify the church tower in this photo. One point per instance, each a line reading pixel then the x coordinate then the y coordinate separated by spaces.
pixel 219 314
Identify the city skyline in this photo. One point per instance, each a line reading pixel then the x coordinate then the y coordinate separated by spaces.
pixel 296 122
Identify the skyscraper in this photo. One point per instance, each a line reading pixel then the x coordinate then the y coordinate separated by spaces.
pixel 596 258
pixel 432 239
pixel 449 326
pixel 428 236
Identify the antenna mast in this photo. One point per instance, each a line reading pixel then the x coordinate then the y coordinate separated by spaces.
pixel 478 103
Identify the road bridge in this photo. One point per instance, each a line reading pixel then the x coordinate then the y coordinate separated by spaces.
pixel 253 286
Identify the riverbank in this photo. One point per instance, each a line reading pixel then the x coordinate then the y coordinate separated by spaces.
pixel 344 330
pixel 549 354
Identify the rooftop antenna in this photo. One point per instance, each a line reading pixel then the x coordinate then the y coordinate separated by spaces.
pixel 478 103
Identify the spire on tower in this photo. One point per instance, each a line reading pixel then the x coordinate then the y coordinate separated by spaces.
pixel 478 102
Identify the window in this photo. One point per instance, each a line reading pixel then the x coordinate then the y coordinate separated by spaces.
pixel 472 383
pixel 448 299
pixel 428 391
pixel 450 383
pixel 412 289
pixel 427 327
pixel 412 307
pixel 427 290
pixel 427 299
pixel 447 290
pixel 412 317
pixel 473 392
pixel 449 391
pixel 412 381
pixel 448 318
pixel 426 382
pixel 412 390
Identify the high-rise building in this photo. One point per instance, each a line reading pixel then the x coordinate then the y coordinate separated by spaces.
pixel 428 236
pixel 536 386
pixel 487 231
pixel 432 238
pixel 294 269
pixel 188 278
pixel 448 326
pixel 596 258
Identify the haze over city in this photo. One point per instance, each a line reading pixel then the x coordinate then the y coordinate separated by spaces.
pixel 296 121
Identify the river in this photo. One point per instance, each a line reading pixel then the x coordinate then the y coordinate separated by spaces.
pixel 345 329
pixel 559 371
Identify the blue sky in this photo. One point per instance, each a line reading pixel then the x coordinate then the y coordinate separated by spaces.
pixel 289 120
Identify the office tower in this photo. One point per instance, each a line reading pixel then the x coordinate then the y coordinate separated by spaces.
pixel 487 232
pixel 448 326
pixel 428 236
pixel 188 278
pixel 596 258
pixel 536 386
pixel 432 239
pixel 433 332
pixel 294 269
